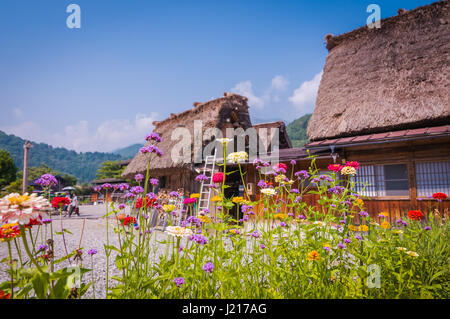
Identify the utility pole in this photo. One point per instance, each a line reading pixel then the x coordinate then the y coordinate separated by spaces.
pixel 26 147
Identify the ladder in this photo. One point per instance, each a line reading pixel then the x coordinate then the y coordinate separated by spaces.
pixel 205 195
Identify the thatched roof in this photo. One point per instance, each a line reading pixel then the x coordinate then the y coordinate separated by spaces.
pixel 284 140
pixel 230 111
pixel 392 78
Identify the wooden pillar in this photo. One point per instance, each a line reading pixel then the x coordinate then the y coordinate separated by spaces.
pixel 26 147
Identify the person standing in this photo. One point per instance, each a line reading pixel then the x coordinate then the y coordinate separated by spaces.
pixel 74 205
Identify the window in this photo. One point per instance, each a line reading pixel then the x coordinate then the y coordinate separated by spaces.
pixel 382 180
pixel 432 177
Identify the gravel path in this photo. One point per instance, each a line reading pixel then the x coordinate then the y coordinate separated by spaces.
pixel 94 237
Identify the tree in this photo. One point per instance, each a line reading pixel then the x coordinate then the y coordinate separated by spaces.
pixel 69 180
pixel 8 169
pixel 110 169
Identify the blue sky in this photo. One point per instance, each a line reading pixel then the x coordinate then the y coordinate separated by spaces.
pixel 131 62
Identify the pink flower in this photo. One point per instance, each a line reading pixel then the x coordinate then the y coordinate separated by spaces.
pixel 335 167
pixel 189 201
pixel 353 164
pixel 218 178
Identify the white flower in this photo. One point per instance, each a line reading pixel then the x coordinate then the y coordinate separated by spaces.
pixel 268 191
pixel 401 248
pixel 237 157
pixel 412 253
pixel 348 170
pixel 16 208
pixel 224 141
pixel 178 231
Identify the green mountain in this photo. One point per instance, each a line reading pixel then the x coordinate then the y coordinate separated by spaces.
pixel 129 151
pixel 81 165
pixel 297 131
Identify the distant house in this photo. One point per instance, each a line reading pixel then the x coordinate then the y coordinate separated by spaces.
pixel 384 100
pixel 98 182
pixel 227 112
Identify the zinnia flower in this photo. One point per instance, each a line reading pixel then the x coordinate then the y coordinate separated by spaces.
pixel 16 208
pixel 313 255
pixel 178 231
pixel 188 201
pixel 440 196
pixel 59 202
pixel 237 157
pixel 195 195
pixel 415 215
pixel 218 178
pixel 238 199
pixel 412 253
pixel 385 225
pixel 268 191
pixel 335 167
pixel 353 164
pixel 348 170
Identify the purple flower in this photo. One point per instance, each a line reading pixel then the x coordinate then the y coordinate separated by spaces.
pixel 358 237
pixel 315 180
pixel 283 224
pixel 153 136
pixel 255 234
pixel 208 267
pixel 151 149
pixel 199 239
pixel 129 196
pixel 326 248
pixel 295 190
pixel 92 252
pixel 297 199
pixel 347 240
pixel 47 180
pixel 200 178
pixel 342 221
pixel 342 246
pixel 401 222
pixel 46 221
pixel 262 246
pixel 333 205
pixel 364 214
pixel 106 186
pixel 262 184
pixel 336 190
pixel 266 164
pixel 427 228
pixel 124 186
pixel 97 189
pixel 279 170
pixel 139 177
pixel 174 194
pixel 136 190
pixel 42 247
pixel 293 162
pixel 301 217
pixel 154 181
pixel 122 206
pixel 179 281
pixel 302 174
pixel 180 249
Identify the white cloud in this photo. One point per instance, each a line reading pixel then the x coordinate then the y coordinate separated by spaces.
pixel 279 83
pixel 108 136
pixel 245 89
pixel 304 97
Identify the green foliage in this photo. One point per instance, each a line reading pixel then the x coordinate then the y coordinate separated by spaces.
pixel 8 169
pixel 297 131
pixel 81 165
pixel 110 169
pixel 129 151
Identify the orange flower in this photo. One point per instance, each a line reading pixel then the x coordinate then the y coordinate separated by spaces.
pixel 415 215
pixel 313 255
pixel 385 225
pixel 3 295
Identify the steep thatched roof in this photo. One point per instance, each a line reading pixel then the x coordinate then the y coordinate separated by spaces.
pixel 392 78
pixel 230 111
pixel 284 140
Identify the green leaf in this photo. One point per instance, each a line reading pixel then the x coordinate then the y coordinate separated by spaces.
pixel 40 283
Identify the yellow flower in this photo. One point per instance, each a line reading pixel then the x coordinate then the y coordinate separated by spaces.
pixel 399 232
pixel 279 216
pixel 18 200
pixel 216 198
pixel 383 214
pixel 363 228
pixel 204 219
pixel 279 178
pixel 235 231
pixel 238 199
pixel 327 245
pixel 412 253
pixel 359 202
pixel 313 255
pixel 352 227
pixel 401 248
pixel 385 225
pixel 169 208
pixel 195 195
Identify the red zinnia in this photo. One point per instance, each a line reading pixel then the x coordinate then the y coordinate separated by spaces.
pixel 189 201
pixel 59 202
pixel 415 215
pixel 353 164
pixel 33 222
pixel 129 220
pixel 218 178
pixel 335 167
pixel 150 202
pixel 3 295
pixel 439 196
pixel 281 165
